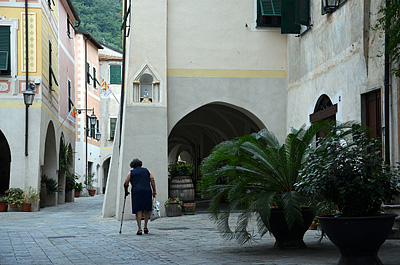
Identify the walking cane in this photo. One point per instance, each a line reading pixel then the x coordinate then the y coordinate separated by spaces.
pixel 123 207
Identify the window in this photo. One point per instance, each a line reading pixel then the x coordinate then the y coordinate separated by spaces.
pixel 69 24
pixel 94 79
pixel 49 2
pixel 268 13
pixel 70 101
pixel 294 14
pixel 115 74
pixel 5 50
pixel 113 124
pixel 51 73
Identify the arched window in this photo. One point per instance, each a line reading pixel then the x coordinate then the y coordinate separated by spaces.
pixel 324 110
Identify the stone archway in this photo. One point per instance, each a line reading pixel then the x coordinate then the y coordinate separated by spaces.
pixel 106 169
pixel 5 163
pixel 194 136
pixel 49 167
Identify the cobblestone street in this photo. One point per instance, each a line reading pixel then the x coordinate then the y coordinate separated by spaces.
pixel 74 233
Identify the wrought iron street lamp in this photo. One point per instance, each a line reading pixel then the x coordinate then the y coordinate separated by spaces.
pixel 330 6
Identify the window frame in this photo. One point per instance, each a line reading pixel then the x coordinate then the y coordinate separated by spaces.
pixel 13 23
pixel 260 15
pixel 7 70
pixel 111 134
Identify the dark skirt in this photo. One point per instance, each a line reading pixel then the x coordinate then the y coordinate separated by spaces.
pixel 141 201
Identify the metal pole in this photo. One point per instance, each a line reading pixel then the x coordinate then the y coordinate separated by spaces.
pixel 27 75
pixel 86 130
pixel 121 110
pixel 386 97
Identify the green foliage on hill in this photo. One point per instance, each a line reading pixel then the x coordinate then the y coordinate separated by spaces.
pixel 102 19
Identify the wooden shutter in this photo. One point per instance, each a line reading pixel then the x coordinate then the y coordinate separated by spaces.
pixel 302 14
pixel 288 18
pixel 115 74
pixel 4 49
pixel 94 77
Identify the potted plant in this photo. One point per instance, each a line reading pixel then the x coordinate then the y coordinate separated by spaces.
pixel 70 186
pixel 49 188
pixel 258 175
pixel 3 203
pixel 180 181
pixel 15 197
pixel 180 168
pixel 78 188
pixel 346 173
pixel 30 197
pixel 89 180
pixel 173 207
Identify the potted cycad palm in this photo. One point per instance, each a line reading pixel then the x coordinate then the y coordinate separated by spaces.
pixel 258 175
pixel 346 173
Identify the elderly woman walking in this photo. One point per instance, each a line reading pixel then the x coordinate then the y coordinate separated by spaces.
pixel 143 188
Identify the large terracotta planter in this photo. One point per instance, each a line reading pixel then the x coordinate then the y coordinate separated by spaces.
pixel 26 207
pixel 3 206
pixel 77 194
pixel 358 238
pixel 292 238
pixel 92 192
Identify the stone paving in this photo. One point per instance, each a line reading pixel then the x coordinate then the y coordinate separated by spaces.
pixel 75 233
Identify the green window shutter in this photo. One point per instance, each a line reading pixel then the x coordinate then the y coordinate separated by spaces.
pixel 115 74
pixel 323 12
pixel 270 7
pixel 113 123
pixel 94 77
pixel 302 15
pixel 5 50
pixel 288 18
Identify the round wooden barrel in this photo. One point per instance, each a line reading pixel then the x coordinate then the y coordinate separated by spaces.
pixel 182 187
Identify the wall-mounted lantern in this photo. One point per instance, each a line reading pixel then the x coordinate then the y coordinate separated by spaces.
pixel 329 6
pixel 29 95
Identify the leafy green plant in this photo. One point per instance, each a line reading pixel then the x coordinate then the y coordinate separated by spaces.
pixel 78 187
pixel 346 171
pixel 3 198
pixel 390 22
pixel 180 168
pixel 31 195
pixel 257 173
pixel 70 181
pixel 15 195
pixel 173 201
pixel 51 185
pixel 89 180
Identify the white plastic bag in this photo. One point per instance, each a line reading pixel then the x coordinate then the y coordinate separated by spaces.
pixel 155 213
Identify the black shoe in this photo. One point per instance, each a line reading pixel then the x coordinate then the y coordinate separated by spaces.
pixel 139 232
pixel 146 231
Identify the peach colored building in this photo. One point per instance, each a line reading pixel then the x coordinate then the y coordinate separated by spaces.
pixel 87 98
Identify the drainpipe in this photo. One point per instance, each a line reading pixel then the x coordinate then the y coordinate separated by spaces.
pixel 27 75
pixel 121 110
pixel 386 97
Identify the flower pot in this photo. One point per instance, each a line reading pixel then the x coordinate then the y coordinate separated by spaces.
pixel 77 194
pixel 26 207
pixel 292 238
pixel 14 207
pixel 173 209
pixel 182 187
pixel 358 238
pixel 189 208
pixel 3 206
pixel 92 192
